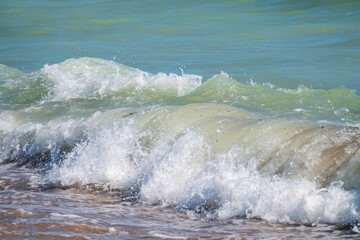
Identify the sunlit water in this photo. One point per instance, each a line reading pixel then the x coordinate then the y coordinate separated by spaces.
pixel 194 119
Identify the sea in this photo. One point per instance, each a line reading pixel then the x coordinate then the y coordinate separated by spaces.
pixel 234 119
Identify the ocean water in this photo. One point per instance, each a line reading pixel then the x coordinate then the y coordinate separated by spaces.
pixel 180 120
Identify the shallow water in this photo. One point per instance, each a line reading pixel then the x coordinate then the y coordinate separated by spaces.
pixel 151 119
pixel 80 213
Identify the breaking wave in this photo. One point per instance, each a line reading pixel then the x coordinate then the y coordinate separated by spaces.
pixel 220 148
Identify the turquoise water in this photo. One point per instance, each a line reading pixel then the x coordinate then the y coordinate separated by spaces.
pixel 286 43
pixel 159 119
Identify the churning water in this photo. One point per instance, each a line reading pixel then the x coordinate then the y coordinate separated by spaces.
pixel 194 119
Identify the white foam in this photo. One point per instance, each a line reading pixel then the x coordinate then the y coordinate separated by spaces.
pixel 181 172
pixel 110 158
pixel 32 137
pixel 90 77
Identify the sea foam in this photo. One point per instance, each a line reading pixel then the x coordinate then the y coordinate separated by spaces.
pixel 181 172
pixel 91 77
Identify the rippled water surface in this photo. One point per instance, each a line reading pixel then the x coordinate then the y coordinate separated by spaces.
pixel 287 43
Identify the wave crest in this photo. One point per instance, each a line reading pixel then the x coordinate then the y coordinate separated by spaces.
pixel 91 77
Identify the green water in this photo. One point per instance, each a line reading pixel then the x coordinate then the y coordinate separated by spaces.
pixel 286 43
pixel 143 119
